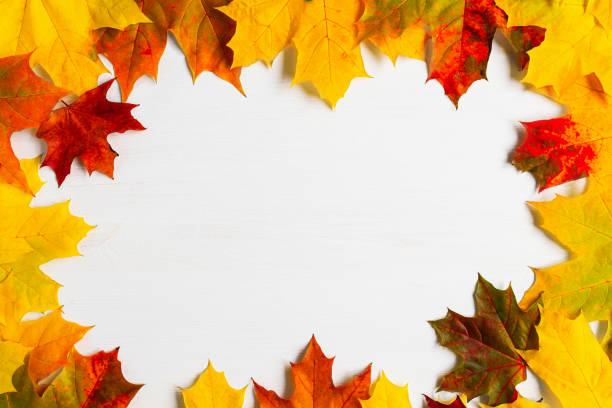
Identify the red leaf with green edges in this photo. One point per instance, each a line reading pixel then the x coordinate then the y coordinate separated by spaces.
pixel 572 146
pixel 462 32
pixel 556 151
pixel 81 130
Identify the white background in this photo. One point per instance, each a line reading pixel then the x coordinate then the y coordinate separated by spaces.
pixel 237 227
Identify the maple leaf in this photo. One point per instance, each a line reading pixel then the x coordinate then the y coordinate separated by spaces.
pixel 572 146
pixel 582 224
pixel 457 402
pixel 410 43
pixel 212 390
pixel 385 394
pixel 45 232
pixel 487 344
pixel 314 387
pixel 521 402
pixel 29 238
pixel 81 129
pixel 263 28
pixel 25 288
pixel 50 339
pixel 462 32
pixel 145 41
pixel 571 361
pixel 25 101
pixel 327 50
pixel 394 27
pixel 576 44
pixel 86 382
pixel 58 34
pixel 203 32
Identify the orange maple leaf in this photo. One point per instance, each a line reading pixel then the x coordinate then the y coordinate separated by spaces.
pixel 203 32
pixel 146 43
pixel 314 387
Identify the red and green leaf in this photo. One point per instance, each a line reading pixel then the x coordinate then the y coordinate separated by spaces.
pixel 488 345
pixel 556 151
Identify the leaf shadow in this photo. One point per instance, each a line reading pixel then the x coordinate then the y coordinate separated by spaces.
pixel 289 63
pixel 520 139
pixel 547 395
pixel 289 387
pixel 178 398
pixel 513 67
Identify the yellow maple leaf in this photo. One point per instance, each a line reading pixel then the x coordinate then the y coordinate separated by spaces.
pixel 571 361
pixel 11 358
pixel 584 225
pixel 30 237
pixel 575 45
pixel 51 232
pixel 25 288
pixel 327 51
pixel 50 339
pixel 395 28
pixel 410 43
pixel 385 394
pixel 115 13
pixel 211 390
pixel 263 28
pixel 58 34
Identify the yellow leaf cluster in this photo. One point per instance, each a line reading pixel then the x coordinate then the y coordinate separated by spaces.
pixel 322 32
pixel 577 41
pixel 58 34
pixel 30 237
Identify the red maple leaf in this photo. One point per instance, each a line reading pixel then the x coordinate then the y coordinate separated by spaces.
pixel 81 130
pixel 462 44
